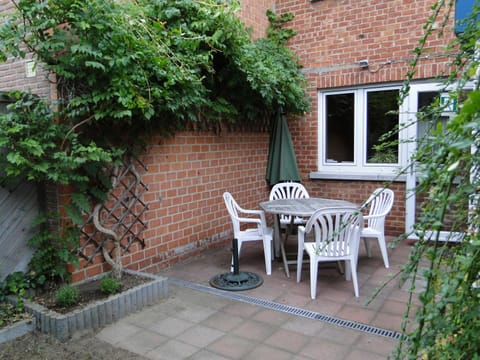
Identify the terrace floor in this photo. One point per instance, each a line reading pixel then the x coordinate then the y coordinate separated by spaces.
pixel 275 320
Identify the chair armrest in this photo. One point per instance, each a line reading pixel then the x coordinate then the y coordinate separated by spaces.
pixel 259 213
pixel 250 220
pixel 252 212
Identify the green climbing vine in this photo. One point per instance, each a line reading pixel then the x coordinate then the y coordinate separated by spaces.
pixel 446 324
pixel 126 69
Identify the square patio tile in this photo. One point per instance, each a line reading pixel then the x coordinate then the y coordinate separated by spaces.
pixel 375 344
pixel 118 332
pixel 325 349
pixel 171 326
pixel 287 340
pixel 206 355
pixel 254 330
pixel 307 327
pixel 200 335
pixel 223 321
pixel 357 313
pixel 241 309
pixel 232 346
pixel 172 350
pixel 268 352
pixel 143 342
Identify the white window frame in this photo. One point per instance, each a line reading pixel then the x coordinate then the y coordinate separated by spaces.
pixel 359 168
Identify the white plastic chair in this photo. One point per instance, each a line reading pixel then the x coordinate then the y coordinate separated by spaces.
pixel 261 232
pixel 379 205
pixel 337 236
pixel 289 190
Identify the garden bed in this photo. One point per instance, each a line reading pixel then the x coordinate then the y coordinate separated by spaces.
pixel 97 313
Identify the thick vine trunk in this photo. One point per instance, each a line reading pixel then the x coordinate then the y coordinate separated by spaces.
pixel 114 258
pixel 116 261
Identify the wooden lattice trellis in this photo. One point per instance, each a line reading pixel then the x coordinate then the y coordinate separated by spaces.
pixel 121 214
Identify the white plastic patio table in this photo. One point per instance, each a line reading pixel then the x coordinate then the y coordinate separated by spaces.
pixel 295 207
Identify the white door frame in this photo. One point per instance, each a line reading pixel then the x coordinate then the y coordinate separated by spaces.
pixel 408 112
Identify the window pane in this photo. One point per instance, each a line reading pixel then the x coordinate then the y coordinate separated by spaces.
pixel 340 127
pixel 424 115
pixel 379 123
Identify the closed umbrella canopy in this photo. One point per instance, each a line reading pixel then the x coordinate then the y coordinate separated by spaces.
pixel 282 163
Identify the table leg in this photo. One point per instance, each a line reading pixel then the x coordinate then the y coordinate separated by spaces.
pixel 283 242
pixel 277 233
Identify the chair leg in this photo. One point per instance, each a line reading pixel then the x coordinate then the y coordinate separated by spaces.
pixel 313 278
pixel 353 270
pixel 267 250
pixel 367 247
pixel 348 270
pixel 299 264
pixel 383 248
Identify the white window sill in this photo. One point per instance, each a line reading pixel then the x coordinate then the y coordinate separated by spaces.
pixel 317 175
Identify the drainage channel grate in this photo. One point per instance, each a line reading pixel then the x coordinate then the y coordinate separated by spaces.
pixel 288 309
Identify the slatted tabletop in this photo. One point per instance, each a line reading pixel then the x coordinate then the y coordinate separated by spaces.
pixel 302 207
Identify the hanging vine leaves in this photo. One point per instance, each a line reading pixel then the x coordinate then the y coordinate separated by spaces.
pixel 446 324
pixel 127 69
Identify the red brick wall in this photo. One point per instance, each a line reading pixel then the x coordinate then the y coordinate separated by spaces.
pixel 332 37
pixel 187 176
pixel 253 13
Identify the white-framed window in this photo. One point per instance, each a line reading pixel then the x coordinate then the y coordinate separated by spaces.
pixel 352 126
pixel 353 123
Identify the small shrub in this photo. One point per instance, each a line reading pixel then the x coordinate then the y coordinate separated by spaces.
pixel 67 295
pixel 109 285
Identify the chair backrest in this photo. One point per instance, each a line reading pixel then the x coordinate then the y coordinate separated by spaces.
pixel 232 208
pixel 288 190
pixel 336 230
pixel 379 205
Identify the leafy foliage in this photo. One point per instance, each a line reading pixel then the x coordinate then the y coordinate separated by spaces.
pixel 128 65
pixel 67 295
pixel 10 314
pixel 41 149
pixel 16 283
pixel 110 285
pixel 124 68
pixel 53 252
pixel 446 323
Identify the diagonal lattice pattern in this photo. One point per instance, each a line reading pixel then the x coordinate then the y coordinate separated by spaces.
pixel 122 213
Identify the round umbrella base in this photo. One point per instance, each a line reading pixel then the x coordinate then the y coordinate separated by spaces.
pixel 244 280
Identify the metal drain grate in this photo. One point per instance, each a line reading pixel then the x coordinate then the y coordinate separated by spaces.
pixel 288 309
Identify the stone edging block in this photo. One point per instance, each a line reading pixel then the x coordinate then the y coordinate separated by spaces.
pixel 18 329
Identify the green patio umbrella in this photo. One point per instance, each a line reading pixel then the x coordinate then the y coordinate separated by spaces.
pixel 282 163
